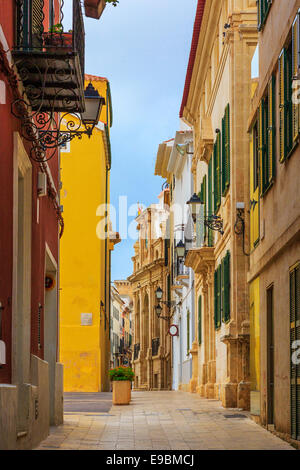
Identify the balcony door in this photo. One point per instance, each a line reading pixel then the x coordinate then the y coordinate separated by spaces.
pixel 30 16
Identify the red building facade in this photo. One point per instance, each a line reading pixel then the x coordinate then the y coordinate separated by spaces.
pixel 30 215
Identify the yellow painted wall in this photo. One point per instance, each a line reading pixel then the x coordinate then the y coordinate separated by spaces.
pixel 84 350
pixel 254 336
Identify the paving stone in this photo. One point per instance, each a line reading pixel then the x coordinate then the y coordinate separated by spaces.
pixel 161 421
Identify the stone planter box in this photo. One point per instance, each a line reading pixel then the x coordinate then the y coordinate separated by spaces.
pixel 121 392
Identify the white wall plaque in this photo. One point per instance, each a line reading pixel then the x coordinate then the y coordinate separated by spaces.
pixel 2 353
pixel 86 319
pixel 2 92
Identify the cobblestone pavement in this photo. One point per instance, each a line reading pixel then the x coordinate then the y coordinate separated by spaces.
pixel 161 421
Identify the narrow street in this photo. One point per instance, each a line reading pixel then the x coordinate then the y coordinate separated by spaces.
pixel 156 420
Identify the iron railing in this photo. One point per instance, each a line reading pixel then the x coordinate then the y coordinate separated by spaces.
pixel 155 346
pixel 31 35
pixel 136 351
pixel 78 34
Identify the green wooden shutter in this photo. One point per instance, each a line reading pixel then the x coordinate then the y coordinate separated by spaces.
pixel 200 320
pixel 219 169
pixel 271 130
pixel 226 151
pixel 215 169
pixel 204 199
pixel 288 99
pixel 226 305
pixel 282 106
pixel 265 159
pixel 223 156
pixel 219 295
pixel 260 13
pixel 295 336
pixel 263 9
pixel 222 289
pixel 295 67
pixel 227 145
pixel 210 201
pixel 216 298
pixel 217 173
pixel 260 147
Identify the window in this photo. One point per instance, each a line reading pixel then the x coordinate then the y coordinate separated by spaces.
pixel 217 173
pixel 225 151
pixel 202 196
pixel 294 342
pixel 115 313
pixel 288 111
pixel 221 160
pixel 210 201
pixel 263 11
pixel 254 187
pixel 295 74
pixel 266 139
pixel 222 291
pixel 255 158
pixel 217 292
pixel 225 283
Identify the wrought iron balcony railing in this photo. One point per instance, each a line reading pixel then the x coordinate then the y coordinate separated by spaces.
pixel 136 351
pixel 49 60
pixel 155 346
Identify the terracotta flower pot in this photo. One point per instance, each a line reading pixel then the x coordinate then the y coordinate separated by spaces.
pixel 58 42
pixel 121 392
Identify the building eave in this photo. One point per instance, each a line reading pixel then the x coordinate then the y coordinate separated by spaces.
pixel 193 51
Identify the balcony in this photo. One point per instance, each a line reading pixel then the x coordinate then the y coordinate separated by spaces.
pixel 200 259
pixel 155 346
pixel 50 61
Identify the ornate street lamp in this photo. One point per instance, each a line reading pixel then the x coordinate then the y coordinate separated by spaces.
pixel 213 222
pixel 44 128
pixel 180 249
pixel 194 203
pixel 159 293
pixel 93 107
pixel 170 304
pixel 158 310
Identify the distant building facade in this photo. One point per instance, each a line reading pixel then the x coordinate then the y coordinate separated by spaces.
pixel 174 163
pixel 151 344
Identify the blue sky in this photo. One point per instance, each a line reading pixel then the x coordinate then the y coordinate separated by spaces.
pixel 142 47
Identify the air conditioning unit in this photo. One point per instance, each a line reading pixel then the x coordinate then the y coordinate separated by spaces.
pixel 42 184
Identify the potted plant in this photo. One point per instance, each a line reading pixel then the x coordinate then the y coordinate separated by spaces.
pixel 121 378
pixel 56 40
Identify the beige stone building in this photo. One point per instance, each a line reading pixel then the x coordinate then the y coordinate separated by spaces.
pixel 274 270
pixel 151 343
pixel 216 104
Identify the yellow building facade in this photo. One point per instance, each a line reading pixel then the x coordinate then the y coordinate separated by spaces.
pixel 85 255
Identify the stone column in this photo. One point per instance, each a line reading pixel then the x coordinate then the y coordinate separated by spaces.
pixel 211 365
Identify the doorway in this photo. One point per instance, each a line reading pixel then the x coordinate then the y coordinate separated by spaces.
pixel 50 326
pixel 270 356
